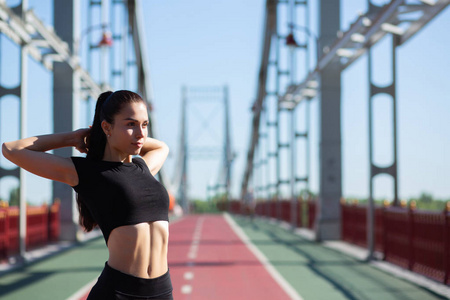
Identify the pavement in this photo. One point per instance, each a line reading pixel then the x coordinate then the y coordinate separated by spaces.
pixel 222 257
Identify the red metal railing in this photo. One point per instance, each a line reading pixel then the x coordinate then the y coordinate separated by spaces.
pixel 312 210
pixel 413 239
pixel 270 209
pixel 42 227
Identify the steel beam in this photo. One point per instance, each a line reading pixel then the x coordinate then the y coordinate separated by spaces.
pixel 366 31
pixel 328 220
pixel 43 44
pixel 65 109
pixel 269 32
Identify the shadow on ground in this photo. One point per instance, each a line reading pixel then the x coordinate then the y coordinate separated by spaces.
pixel 317 272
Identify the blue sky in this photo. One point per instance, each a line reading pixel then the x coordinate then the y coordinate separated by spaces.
pixel 195 43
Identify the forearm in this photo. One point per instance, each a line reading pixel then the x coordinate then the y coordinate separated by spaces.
pixel 152 144
pixel 30 154
pixel 154 153
pixel 41 143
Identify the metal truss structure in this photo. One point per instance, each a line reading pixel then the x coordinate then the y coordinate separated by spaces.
pixel 208 149
pixel 400 19
pixel 42 43
pixel 58 50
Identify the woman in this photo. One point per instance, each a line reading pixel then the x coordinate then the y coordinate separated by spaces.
pixel 115 191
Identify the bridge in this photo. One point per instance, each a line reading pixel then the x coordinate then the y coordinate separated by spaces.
pixel 285 225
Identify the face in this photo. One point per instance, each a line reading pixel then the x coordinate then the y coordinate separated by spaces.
pixel 128 133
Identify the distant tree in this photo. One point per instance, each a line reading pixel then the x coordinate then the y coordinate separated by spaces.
pixel 426 198
pixel 14 197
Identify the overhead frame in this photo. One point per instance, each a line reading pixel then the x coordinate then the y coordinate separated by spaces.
pixel 44 45
pixel 395 18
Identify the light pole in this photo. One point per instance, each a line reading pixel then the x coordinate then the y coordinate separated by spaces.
pixel 291 41
pixel 106 41
pixel 293 45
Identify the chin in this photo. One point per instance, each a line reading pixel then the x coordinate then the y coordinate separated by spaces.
pixel 136 152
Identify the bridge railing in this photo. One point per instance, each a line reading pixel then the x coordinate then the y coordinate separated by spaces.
pixel 306 210
pixel 42 227
pixel 414 239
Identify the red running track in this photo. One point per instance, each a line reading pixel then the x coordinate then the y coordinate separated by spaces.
pixel 208 260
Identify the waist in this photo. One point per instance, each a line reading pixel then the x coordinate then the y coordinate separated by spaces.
pixel 142 266
pixel 139 250
pixel 131 285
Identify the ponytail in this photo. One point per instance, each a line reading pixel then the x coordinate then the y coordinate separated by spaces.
pixel 97 139
pixel 96 142
pixel 108 105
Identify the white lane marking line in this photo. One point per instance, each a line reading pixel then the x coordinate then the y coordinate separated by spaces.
pixel 263 259
pixel 188 275
pixel 193 250
pixel 83 291
pixel 186 289
pixel 192 254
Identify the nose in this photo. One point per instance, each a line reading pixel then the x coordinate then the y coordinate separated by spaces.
pixel 141 132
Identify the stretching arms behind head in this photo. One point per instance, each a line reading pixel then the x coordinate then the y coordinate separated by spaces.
pixel 114 191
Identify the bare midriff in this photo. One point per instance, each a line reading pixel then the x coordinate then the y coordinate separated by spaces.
pixel 140 250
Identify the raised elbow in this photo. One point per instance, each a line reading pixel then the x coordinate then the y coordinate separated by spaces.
pixel 165 149
pixel 6 151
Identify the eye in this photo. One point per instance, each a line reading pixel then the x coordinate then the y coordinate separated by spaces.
pixel 130 124
pixel 145 124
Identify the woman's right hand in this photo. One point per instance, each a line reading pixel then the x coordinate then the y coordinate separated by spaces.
pixel 31 154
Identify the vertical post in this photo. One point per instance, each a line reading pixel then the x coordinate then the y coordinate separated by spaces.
pixel 125 33
pixel 411 257
pixel 446 243
pixel 384 228
pixel 228 155
pixel 293 135
pixel 308 148
pixel 184 179
pixel 376 170
pixel 65 108
pixel 294 202
pixel 370 204
pixel 395 43
pixel 329 215
pixel 277 128
pixel 21 9
pixel 104 50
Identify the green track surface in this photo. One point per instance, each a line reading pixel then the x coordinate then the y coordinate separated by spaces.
pixel 317 272
pixel 56 277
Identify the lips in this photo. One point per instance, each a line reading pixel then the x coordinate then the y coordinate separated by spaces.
pixel 139 145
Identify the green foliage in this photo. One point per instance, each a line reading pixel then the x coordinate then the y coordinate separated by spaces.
pixel 14 197
pixel 305 192
pixel 425 198
pixel 427 202
pixel 424 202
pixel 201 206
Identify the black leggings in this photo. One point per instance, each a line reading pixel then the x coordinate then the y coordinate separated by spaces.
pixel 115 285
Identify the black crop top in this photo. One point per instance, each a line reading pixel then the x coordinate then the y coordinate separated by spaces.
pixel 118 194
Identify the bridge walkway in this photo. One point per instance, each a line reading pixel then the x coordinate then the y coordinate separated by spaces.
pixel 222 257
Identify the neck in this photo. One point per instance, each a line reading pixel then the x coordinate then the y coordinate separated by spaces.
pixel 115 156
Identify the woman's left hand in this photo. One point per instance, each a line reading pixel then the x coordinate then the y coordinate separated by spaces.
pixel 80 139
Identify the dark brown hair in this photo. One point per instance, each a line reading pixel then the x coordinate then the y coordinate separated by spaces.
pixel 108 105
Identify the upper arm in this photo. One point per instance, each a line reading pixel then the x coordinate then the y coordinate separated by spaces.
pixel 156 158
pixel 43 164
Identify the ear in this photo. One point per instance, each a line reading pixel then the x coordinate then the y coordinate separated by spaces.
pixel 106 128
